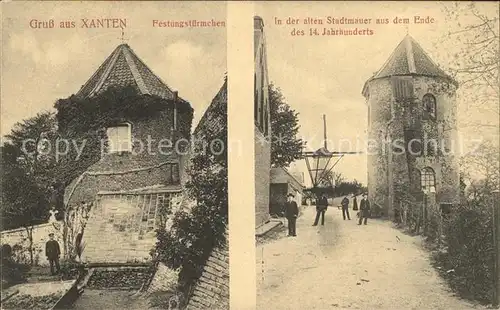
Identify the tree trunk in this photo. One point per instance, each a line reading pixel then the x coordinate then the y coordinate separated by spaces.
pixel 29 232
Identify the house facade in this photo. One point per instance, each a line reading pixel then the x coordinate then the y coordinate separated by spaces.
pixel 284 182
pixel 412 118
pixel 262 125
pixel 131 183
pixel 212 289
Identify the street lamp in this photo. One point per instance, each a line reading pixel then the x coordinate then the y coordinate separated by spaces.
pixel 320 164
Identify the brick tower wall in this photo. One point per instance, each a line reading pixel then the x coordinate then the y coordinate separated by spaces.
pixel 386 169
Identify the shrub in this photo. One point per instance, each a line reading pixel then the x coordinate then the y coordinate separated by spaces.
pixel 70 269
pixel 12 271
pixel 187 244
pixel 469 237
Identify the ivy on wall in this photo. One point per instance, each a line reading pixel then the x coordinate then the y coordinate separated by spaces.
pixel 84 120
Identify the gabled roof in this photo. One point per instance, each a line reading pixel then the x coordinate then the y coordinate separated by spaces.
pixel 123 68
pixel 409 58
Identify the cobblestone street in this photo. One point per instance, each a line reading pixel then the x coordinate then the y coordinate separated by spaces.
pixel 345 266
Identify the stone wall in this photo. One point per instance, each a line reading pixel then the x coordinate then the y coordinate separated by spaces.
pixel 386 119
pixel 262 179
pixel 121 228
pixel 212 289
pixel 40 237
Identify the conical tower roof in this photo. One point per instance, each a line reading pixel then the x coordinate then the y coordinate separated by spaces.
pixel 123 68
pixel 409 58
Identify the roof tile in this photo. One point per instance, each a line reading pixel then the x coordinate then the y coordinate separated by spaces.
pixel 122 68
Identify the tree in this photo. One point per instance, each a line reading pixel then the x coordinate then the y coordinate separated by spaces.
pixel 332 179
pixel 285 146
pixel 475 59
pixel 26 174
pixel 485 164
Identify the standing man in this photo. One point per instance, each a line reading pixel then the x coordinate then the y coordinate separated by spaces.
pixel 345 208
pixel 291 213
pixel 321 206
pixel 364 208
pixel 52 252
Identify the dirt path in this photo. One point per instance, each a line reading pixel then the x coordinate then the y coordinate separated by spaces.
pixel 345 266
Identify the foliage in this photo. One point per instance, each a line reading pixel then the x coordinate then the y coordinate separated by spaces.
pixel 469 237
pixel 26 178
pixel 481 168
pixel 194 233
pixel 25 173
pixel 474 60
pixel 348 187
pixel 331 179
pixel 21 301
pixel 84 120
pixel 285 147
pixel 13 271
pixel 70 269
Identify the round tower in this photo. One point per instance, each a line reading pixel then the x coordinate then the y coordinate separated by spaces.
pixel 412 131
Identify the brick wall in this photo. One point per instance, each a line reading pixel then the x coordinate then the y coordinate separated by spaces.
pixel 262 179
pixel 142 156
pixel 212 289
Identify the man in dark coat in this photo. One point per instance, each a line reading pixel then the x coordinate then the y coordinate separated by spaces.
pixel 52 251
pixel 345 208
pixel 291 213
pixel 364 208
pixel 321 206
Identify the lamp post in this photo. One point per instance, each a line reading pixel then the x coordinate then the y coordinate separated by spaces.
pixel 320 164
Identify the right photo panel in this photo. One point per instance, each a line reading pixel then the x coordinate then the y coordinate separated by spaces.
pixel 376 155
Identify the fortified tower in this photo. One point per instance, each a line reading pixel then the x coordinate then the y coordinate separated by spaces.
pixel 135 179
pixel 412 129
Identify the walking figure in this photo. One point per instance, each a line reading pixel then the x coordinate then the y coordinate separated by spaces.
pixel 52 251
pixel 345 208
pixel 364 210
pixel 291 213
pixel 355 203
pixel 321 206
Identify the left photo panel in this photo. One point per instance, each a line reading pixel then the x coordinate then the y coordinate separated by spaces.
pixel 113 155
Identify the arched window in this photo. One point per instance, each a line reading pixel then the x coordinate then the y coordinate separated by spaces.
pixel 120 138
pixel 429 106
pixel 427 179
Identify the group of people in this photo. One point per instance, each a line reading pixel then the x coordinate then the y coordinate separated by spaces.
pixel 292 211
pixel 364 208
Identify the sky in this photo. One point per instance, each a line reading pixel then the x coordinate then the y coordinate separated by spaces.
pixel 325 74
pixel 40 66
